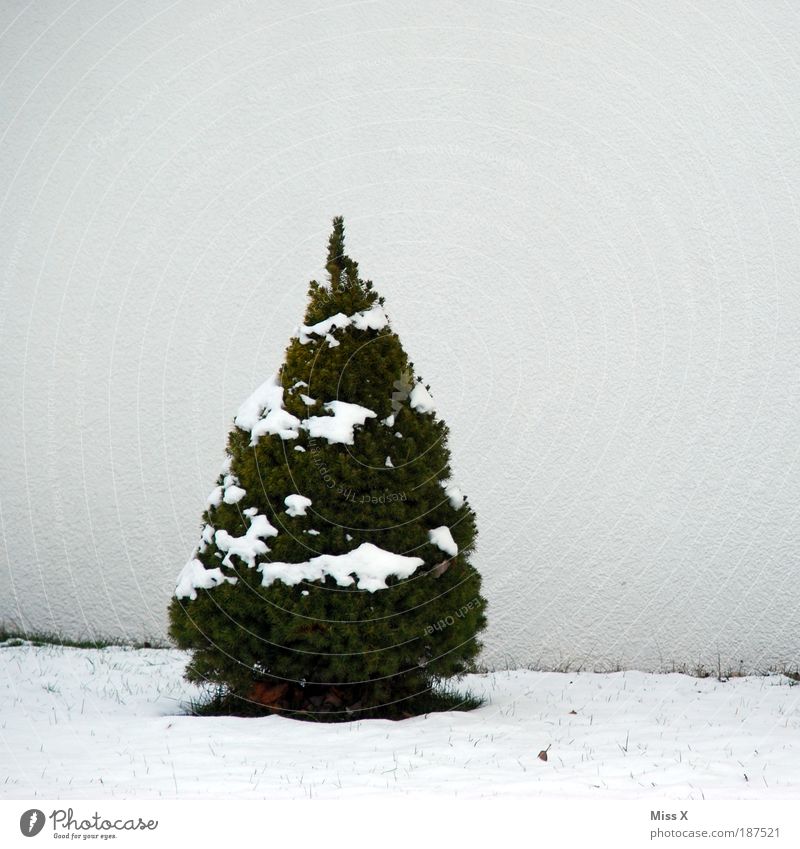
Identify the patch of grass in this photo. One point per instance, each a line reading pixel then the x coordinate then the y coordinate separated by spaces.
pixel 15 637
pixel 438 699
pixel 793 674
pixel 728 672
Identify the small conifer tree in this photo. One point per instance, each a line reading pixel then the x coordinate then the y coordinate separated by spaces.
pixel 332 576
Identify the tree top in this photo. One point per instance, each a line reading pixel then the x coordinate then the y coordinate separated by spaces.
pixel 338 261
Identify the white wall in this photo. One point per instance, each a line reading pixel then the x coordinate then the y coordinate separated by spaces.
pixel 585 224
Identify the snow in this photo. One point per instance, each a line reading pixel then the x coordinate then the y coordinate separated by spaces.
pixel 296 505
pixel 300 449
pixel 109 723
pixel 455 496
pixel 420 399
pixel 249 546
pixel 308 400
pixel 194 576
pixel 268 395
pixel 230 492
pixel 234 494
pixel 372 319
pixel 443 539
pixel 206 537
pixel 263 412
pixel 340 426
pixel 370 565
pixel 322 328
pixel 388 463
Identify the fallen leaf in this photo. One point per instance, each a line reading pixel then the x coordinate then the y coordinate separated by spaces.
pixel 266 694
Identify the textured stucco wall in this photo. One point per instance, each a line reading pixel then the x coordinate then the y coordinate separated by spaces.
pixel 585 224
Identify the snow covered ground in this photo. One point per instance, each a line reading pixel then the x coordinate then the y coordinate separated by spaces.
pixel 80 723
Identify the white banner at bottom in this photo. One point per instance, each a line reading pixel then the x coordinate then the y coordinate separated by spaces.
pixel 400 821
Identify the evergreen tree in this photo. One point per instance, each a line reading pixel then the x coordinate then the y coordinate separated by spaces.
pixel 332 576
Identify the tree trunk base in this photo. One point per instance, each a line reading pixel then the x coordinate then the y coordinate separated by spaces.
pixel 284 697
